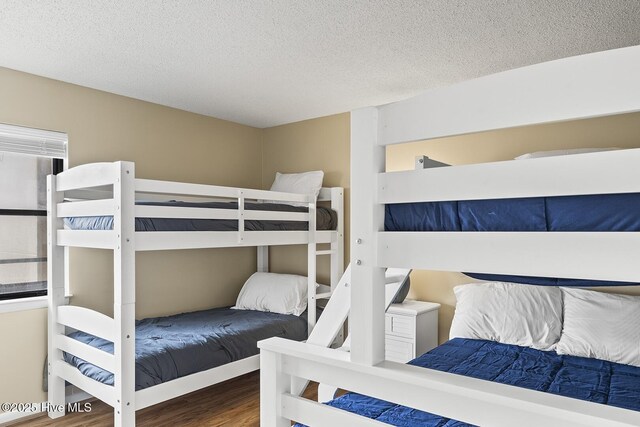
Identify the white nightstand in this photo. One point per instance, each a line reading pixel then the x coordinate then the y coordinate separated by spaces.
pixel 411 329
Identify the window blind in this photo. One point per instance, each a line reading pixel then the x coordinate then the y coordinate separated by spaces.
pixel 35 142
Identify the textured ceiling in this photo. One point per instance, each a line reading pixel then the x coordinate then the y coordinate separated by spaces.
pixel 265 63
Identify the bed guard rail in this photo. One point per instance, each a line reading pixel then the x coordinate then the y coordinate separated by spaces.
pixel 466 399
pixel 96 190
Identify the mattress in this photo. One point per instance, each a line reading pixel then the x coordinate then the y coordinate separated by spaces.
pixel 577 377
pixel 175 346
pixel 601 212
pixel 326 219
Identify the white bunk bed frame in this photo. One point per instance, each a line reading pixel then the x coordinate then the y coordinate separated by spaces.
pixel 598 84
pixel 110 189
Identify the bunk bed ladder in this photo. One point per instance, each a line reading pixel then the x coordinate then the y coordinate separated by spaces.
pixel 335 251
pixel 336 311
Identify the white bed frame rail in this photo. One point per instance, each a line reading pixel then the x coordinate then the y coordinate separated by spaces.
pixel 581 87
pixel 110 189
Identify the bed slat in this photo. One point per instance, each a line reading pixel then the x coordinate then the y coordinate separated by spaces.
pixel 143 211
pixel 105 207
pixel 98 239
pixel 167 240
pixel 86 352
pixel 95 388
pixel 86 320
pixel 275 216
pixel 149 211
pixel 181 188
pixel 576 255
pixel 589 173
pixel 87 176
pixel 183 385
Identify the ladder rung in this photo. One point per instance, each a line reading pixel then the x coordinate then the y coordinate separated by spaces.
pixel 323 295
pixel 327 252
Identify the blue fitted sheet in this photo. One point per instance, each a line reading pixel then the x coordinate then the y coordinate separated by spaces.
pixel 175 346
pixel 601 212
pixel 577 377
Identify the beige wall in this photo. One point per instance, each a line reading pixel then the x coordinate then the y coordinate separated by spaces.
pixel 621 131
pixel 166 144
pixel 318 144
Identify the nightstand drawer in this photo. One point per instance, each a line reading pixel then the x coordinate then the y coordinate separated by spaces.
pixel 398 350
pixel 411 328
pixel 400 325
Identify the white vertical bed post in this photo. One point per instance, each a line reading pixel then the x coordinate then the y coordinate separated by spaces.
pixel 273 384
pixel 337 244
pixel 366 318
pixel 124 307
pixel 240 216
pixel 263 259
pixel 311 267
pixel 55 295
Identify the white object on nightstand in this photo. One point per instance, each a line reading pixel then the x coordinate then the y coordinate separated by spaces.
pixel 411 329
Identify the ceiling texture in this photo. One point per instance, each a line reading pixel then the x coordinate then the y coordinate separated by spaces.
pixel 270 62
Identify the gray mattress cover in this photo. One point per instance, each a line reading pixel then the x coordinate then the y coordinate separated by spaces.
pixel 175 346
pixel 326 219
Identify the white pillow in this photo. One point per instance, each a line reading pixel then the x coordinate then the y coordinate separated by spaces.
pixel 300 183
pixel 524 315
pixel 539 154
pixel 272 292
pixel 602 326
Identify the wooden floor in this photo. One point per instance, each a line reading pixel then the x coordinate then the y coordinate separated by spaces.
pixel 232 403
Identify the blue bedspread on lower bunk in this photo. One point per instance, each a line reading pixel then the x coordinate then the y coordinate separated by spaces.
pixel 175 346
pixel 577 377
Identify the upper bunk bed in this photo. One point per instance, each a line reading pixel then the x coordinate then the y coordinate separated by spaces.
pixel 131 364
pixel 91 205
pixel 594 85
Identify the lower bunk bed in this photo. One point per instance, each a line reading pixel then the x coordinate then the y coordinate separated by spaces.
pixel 180 353
pixel 576 343
pixel 172 347
pixel 582 378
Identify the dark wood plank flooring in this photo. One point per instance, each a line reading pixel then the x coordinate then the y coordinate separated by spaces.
pixel 232 403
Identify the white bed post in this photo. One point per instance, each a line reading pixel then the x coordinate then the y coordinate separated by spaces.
pixel 263 259
pixel 366 318
pixel 124 291
pixel 337 245
pixel 55 295
pixel 312 258
pixel 273 384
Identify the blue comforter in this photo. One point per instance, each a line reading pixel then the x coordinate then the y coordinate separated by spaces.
pixel 175 346
pixel 578 377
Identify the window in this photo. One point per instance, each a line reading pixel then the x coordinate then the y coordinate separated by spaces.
pixel 27 156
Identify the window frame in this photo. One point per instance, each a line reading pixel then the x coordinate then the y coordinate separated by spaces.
pixel 57 166
pixel 37 143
